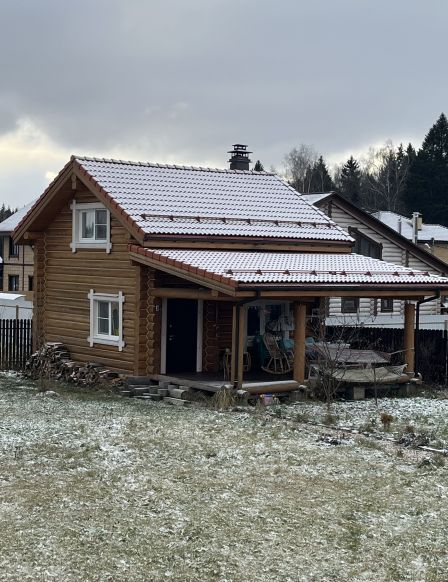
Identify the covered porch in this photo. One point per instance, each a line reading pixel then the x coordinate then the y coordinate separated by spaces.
pixel 216 304
pixel 216 342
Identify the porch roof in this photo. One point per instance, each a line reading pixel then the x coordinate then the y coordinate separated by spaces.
pixel 252 270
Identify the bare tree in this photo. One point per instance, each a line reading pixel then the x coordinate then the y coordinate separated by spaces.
pixel 385 173
pixel 298 164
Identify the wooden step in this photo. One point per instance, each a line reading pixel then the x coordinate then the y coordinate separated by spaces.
pixel 139 390
pixel 138 381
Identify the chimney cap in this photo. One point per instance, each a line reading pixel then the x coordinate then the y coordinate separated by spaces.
pixel 239 148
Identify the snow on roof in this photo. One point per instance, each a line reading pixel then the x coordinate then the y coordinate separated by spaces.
pixel 425 234
pixel 335 270
pixel 10 296
pixel 10 223
pixel 166 199
pixel 316 197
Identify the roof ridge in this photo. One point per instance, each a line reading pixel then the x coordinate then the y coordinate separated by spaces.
pixel 168 166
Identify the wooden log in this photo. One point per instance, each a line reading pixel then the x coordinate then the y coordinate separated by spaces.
pixel 178 393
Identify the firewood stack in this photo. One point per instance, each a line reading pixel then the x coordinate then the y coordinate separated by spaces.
pixel 53 361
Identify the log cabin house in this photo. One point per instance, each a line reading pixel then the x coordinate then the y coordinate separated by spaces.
pixel 160 270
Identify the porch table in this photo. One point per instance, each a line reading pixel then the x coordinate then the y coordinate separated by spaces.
pixel 350 356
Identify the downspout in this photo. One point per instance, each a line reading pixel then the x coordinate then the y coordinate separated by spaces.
pixel 417 328
pixel 239 305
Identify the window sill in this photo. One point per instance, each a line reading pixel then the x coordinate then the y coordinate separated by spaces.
pixel 107 341
pixel 91 245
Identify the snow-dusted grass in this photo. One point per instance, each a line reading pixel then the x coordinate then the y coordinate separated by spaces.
pixel 98 488
pixel 427 416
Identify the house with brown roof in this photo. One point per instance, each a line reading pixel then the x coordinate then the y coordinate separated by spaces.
pixel 163 270
pixel 376 238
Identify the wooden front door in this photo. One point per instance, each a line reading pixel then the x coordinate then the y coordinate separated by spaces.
pixel 181 335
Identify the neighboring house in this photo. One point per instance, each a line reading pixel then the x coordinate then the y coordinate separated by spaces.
pixel 377 239
pixel 432 237
pixel 18 260
pixel 156 269
pixel 15 306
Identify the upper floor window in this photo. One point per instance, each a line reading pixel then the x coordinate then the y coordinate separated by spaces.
pixel 365 245
pixel 90 226
pixel 30 283
pixel 13 249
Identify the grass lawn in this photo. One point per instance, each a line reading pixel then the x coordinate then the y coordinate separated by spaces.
pixel 95 487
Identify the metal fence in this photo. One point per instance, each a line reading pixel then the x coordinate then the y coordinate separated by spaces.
pixel 15 343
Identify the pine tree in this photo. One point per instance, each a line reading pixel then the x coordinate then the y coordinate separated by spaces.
pixel 427 186
pixel 5 212
pixel 320 179
pixel 258 166
pixel 351 181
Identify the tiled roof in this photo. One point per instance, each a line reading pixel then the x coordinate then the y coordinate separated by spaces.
pixel 316 197
pixel 334 270
pixel 425 234
pixel 10 223
pixel 164 199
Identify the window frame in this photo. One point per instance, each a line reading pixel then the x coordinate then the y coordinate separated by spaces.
pixel 95 337
pixel 78 241
pixel 15 278
pixel 358 235
pixel 383 309
pixel 347 311
pixel 14 250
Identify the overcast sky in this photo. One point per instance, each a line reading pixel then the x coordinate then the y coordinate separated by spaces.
pixel 181 80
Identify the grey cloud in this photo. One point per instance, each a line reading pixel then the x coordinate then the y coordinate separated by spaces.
pixel 187 79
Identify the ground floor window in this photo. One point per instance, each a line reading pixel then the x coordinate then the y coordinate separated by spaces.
pixel 387 305
pixel 106 319
pixel 349 304
pixel 13 282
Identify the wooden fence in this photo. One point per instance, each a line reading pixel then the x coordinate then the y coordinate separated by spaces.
pixel 15 343
pixel 431 348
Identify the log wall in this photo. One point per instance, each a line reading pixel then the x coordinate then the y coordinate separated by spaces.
pixel 63 281
pixel 217 333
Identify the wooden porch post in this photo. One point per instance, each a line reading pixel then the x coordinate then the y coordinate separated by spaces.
pixel 409 354
pixel 299 342
pixel 241 342
pixel 234 346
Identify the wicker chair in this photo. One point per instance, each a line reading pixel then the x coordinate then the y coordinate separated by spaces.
pixel 277 361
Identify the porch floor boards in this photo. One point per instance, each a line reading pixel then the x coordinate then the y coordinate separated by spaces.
pixel 210 383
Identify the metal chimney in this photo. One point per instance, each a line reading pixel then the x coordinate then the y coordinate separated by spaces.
pixel 416 226
pixel 240 157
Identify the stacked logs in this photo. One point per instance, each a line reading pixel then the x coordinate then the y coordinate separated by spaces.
pixel 53 361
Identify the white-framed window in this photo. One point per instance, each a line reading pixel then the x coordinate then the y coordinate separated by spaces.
pixel 90 226
pixel 106 319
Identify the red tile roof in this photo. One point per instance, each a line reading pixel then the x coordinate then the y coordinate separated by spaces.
pixel 237 268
